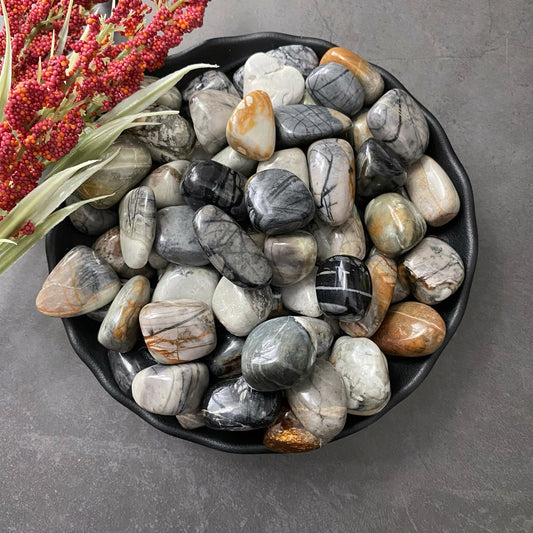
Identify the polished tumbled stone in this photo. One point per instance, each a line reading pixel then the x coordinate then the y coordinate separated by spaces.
pixel 137 218
pixel 210 111
pixel 379 169
pixel 299 125
pixel 232 159
pixel 238 309
pixel 283 84
pixel 81 282
pixel 210 79
pixel 278 202
pixel 367 75
pixel 126 365
pixel 291 159
pixel 175 239
pixel 398 121
pixel 301 297
pixel 130 165
pixel 165 181
pixel 171 98
pixel 187 282
pixel 177 331
pixel 360 131
pixel 89 220
pixel 433 269
pixel 277 354
pixel 209 182
pixel 230 249
pixel 320 331
pixel 319 401
pixel 333 85
pixel 365 373
pixel 332 178
pixel 292 256
pixel 346 239
pixel 232 405
pixel 432 191
pixel 394 224
pixel 410 329
pixel 251 129
pixel 119 330
pixel 343 287
pixel 225 360
pixel 170 390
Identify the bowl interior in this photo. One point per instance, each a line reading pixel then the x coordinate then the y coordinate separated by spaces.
pixel 405 373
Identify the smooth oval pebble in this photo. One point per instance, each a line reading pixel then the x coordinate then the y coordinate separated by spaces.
pixel 278 202
pixel 433 269
pixel 178 331
pixel 301 297
pixel 81 282
pixel 126 365
pixel 410 329
pixel 89 220
pixel 232 159
pixel 332 178
pixel 365 373
pixel 232 405
pixel 137 220
pixel 209 79
pixel 394 224
pixel 360 131
pixel 170 390
pixel 230 249
pixel 165 181
pixel 319 401
pixel 432 191
pixel 238 309
pixel 277 354
pixel 120 328
pixel 225 360
pixel 291 159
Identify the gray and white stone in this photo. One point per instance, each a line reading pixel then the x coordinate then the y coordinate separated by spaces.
pixel 301 297
pixel 225 360
pixel 320 331
pixel 232 159
pixel 238 79
pixel 171 99
pixel 165 181
pixel 89 220
pixel 210 79
pixel 301 57
pixel 291 159
pixel 126 365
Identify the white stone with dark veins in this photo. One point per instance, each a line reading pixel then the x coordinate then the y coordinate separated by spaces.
pixel 210 79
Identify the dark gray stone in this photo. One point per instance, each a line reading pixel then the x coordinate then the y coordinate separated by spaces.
pixel 126 365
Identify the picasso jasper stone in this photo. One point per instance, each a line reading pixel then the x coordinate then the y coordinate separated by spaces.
pixel 232 405
pixel 165 181
pixel 394 224
pixel 232 159
pixel 343 287
pixel 177 331
pixel 332 177
pixel 319 401
pixel 432 191
pixel 238 309
pixel 283 84
pixel 277 354
pixel 230 249
pixel 81 282
pixel 210 111
pixel 108 247
pixel 410 329
pixel 278 202
pixel 291 159
pixel 130 165
pixel 120 328
pixel 251 129
pixel 171 98
pixel 137 220
pixel 209 79
pixel 383 273
pixel 433 269
pixel 292 256
pixel 126 365
pixel 365 373
pixel 170 138
pixel 225 360
pixel 175 239
pixel 170 389
pixel 368 76
pixel 301 297
pixel 379 169
pixel 180 282
pixel 360 131
pixel 209 182
pixel 299 125
pixel 89 220
pixel 320 332
pixel 333 85
pixel 398 121
pixel 301 57
pixel 346 239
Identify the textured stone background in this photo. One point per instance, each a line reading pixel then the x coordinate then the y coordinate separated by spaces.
pixel 455 456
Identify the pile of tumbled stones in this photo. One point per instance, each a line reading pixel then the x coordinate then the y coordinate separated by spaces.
pixel 235 284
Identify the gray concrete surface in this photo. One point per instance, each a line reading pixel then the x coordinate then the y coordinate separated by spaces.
pixel 455 456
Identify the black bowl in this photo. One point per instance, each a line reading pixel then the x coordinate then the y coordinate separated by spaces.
pixel 406 374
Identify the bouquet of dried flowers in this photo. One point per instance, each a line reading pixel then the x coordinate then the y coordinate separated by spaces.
pixel 68 88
